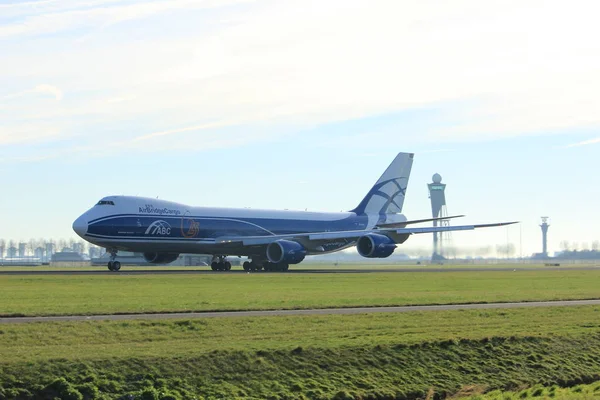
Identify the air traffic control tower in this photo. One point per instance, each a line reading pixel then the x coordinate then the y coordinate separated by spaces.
pixel 437 195
pixel 544 227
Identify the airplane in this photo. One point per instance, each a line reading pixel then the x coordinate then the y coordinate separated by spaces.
pixel 271 239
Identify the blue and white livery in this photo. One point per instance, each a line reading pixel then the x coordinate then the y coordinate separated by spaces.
pixel 272 240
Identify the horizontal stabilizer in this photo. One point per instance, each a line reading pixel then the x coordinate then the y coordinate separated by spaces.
pixel 415 221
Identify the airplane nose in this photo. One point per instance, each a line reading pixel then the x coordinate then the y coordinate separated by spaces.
pixel 80 226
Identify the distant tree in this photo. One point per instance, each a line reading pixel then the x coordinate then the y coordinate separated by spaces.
pixel 450 251
pixel 50 248
pixel 596 245
pixel 585 246
pixel 510 250
pixel 465 252
pixel 101 251
pixel 415 252
pixel 483 251
pixel 505 250
pixel 564 245
pixel 61 244
pixel 32 245
pixel 500 250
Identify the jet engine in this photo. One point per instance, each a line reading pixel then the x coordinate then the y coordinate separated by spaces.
pixel 375 246
pixel 160 258
pixel 286 251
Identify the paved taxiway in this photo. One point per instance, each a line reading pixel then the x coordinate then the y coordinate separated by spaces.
pixel 325 311
pixel 125 271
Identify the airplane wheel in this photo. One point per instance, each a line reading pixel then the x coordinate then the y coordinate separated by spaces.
pixel 116 266
pixel 110 265
pixel 283 267
pixel 214 266
pixel 246 266
pixel 227 266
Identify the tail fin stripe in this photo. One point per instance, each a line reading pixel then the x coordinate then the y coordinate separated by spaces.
pixel 391 199
pixel 387 196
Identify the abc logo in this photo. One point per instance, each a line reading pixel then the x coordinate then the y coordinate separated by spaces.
pixel 159 228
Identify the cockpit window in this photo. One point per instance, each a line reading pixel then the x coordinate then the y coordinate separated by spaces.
pixel 105 203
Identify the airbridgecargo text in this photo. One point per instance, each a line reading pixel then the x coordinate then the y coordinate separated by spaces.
pixel 150 209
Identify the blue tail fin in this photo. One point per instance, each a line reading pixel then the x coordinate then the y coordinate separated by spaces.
pixel 387 196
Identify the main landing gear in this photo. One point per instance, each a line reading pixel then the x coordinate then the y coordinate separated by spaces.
pixel 277 267
pixel 252 266
pixel 267 266
pixel 220 264
pixel 113 265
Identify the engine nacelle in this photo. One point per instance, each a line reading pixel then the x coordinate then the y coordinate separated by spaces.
pixel 375 246
pixel 160 258
pixel 286 251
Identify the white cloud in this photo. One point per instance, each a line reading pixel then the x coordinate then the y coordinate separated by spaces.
pixel 43 89
pixel 194 128
pixel 503 67
pixel 53 17
pixel 437 151
pixel 29 132
pixel 585 143
pixel 53 90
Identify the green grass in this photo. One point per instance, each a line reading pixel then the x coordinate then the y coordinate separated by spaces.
pixel 175 338
pixel 376 356
pixel 578 392
pixel 370 356
pixel 104 294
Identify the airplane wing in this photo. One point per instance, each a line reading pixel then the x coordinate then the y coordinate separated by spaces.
pixel 325 236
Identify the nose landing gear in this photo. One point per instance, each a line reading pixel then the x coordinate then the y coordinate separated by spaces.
pixel 113 265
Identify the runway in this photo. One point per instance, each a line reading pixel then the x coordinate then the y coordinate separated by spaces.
pixel 325 311
pixel 125 271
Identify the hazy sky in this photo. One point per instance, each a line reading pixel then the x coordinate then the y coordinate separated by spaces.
pixel 303 104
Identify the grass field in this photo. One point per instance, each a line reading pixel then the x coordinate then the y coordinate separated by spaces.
pixel 579 392
pixel 379 356
pixel 405 356
pixel 168 338
pixel 117 293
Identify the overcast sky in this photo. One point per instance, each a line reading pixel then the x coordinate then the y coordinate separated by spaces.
pixel 303 104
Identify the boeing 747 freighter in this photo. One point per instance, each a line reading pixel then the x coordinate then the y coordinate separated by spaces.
pixel 272 240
